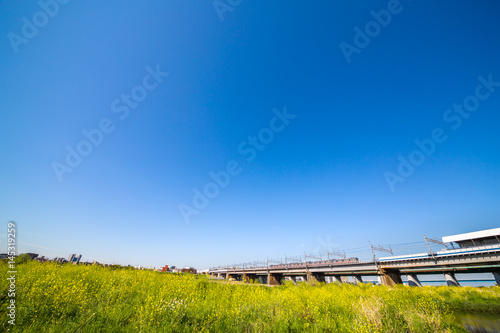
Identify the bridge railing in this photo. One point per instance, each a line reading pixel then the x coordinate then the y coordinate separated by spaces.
pixel 293 265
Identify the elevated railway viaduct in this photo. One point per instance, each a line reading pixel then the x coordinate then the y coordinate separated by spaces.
pixel 473 259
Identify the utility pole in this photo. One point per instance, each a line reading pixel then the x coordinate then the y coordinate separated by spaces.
pixel 433 240
pixel 379 248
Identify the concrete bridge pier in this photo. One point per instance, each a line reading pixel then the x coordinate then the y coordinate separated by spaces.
pixel 390 277
pixel 451 280
pixel 413 280
pixel 315 277
pixel 358 279
pixel 274 279
pixel 247 278
pixel 496 275
pixel 335 279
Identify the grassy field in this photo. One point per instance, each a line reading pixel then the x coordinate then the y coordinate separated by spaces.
pixel 51 298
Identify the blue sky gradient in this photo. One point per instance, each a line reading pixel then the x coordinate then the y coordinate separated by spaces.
pixel 320 180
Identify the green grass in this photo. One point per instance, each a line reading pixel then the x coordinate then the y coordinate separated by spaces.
pixel 51 298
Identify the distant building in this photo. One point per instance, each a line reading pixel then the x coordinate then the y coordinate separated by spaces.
pixel 188 270
pixel 74 258
pixel 477 238
pixel 60 260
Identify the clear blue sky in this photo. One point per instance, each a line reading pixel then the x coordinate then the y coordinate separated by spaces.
pixel 321 180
